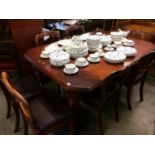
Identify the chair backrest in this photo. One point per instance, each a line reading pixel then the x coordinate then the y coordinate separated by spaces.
pixel 21 101
pixel 74 30
pixel 137 34
pixel 52 36
pixel 140 68
pixel 112 84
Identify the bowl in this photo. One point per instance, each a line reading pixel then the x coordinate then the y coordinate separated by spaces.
pixel 78 54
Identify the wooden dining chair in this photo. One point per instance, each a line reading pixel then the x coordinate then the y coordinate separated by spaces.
pixel 46 37
pixel 138 74
pixel 8 62
pixel 136 34
pixel 28 87
pixel 42 38
pixel 108 92
pixel 43 113
pixel 74 30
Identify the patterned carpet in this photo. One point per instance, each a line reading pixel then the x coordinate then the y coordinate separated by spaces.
pixel 139 121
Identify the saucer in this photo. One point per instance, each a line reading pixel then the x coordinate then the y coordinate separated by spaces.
pixel 44 57
pixel 109 49
pixel 89 59
pixel 75 71
pixel 126 44
pixel 79 65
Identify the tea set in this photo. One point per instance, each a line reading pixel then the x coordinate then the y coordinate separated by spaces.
pixel 79 47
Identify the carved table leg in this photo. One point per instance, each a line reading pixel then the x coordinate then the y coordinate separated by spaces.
pixel 73 103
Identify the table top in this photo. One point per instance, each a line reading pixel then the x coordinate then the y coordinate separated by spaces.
pixel 142 28
pixel 88 77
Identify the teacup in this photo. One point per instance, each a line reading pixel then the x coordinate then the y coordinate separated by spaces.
pixel 81 61
pixel 129 42
pixel 46 53
pixel 70 68
pixel 99 34
pixel 93 57
pixel 117 43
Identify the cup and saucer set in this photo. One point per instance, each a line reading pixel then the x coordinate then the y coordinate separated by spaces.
pixel 70 68
pixel 81 62
pixel 94 58
pixel 129 43
pixel 45 54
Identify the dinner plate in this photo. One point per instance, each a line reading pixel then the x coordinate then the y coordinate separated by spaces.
pixel 79 65
pixel 65 42
pixel 128 51
pixel 75 71
pixel 52 47
pixel 89 59
pixel 109 48
pixel 114 57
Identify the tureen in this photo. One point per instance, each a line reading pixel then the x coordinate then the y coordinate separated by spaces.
pixel 59 58
pixel 78 48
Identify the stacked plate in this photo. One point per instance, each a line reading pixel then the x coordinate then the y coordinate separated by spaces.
pixel 93 42
pixel 128 51
pixel 114 57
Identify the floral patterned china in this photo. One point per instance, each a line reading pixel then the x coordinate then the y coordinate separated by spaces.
pixel 114 57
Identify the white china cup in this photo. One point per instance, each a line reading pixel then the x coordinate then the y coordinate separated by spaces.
pixel 70 68
pixel 129 42
pixel 94 57
pixel 118 43
pixel 99 34
pixel 81 61
pixel 45 53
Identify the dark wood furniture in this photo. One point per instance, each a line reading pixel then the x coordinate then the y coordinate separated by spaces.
pixel 23 33
pixel 88 78
pixel 74 30
pixel 28 87
pixel 107 93
pixel 137 74
pixel 149 32
pixel 42 113
pixel 52 36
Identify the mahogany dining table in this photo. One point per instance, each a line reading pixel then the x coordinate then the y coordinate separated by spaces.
pixel 88 78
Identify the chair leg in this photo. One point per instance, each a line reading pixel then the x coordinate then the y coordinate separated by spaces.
pixel 116 111
pixel 25 126
pixel 16 110
pixel 8 99
pixel 72 127
pixel 99 122
pixel 58 88
pixel 116 106
pixel 141 90
pixel 129 98
pixel 8 114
